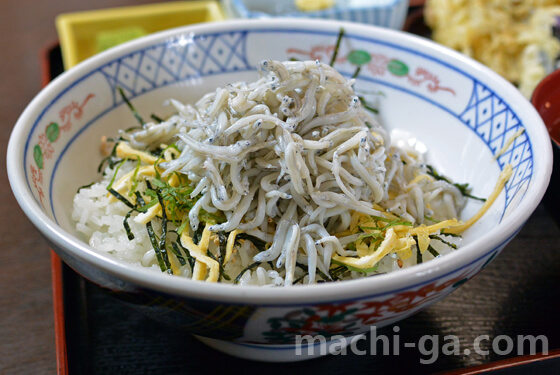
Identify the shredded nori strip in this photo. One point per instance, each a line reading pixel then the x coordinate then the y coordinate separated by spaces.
pixel 163 238
pixel 190 258
pixel 175 249
pixel 366 105
pixel 117 195
pixel 211 255
pixel 222 238
pixel 418 252
pixel 259 244
pixel 132 109
pixel 337 272
pixel 132 128
pixel 197 236
pixel 300 278
pixel 433 251
pixel 129 233
pixel 450 234
pixel 156 118
pixel 357 72
pixel 450 244
pixel 139 199
pixel 337 46
pixel 463 188
pixel 317 271
pixel 161 256
pixel 84 187
pixel 418 256
pixel 108 159
pixel 251 266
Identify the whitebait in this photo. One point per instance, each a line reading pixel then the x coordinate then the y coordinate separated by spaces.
pixel 291 163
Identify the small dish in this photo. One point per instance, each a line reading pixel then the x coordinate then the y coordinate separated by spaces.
pixel 546 99
pixel 84 34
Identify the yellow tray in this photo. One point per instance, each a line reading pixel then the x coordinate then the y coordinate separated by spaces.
pixel 83 34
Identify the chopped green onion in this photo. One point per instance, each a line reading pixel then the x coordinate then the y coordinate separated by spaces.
pixel 135 177
pixel 182 227
pixel 115 174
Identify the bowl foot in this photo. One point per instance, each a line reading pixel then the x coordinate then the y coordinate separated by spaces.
pixel 281 353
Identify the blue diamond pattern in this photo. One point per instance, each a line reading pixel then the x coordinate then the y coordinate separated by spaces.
pixel 495 123
pixel 176 60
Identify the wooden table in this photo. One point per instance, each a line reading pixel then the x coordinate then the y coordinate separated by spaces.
pixel 516 294
pixel 26 317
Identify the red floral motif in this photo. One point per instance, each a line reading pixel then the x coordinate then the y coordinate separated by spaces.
pixel 45 142
pixel 426 76
pixel 46 146
pixel 403 303
pixel 37 178
pixel 377 66
pixel 72 109
pixel 352 317
pixel 322 53
pixel 333 309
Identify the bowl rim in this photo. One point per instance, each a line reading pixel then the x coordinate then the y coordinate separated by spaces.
pixel 348 290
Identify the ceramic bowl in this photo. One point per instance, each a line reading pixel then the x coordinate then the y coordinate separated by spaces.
pixel 461 111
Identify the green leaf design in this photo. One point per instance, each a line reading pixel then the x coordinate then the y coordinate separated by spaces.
pixel 38 156
pixel 460 282
pixel 398 68
pixel 359 57
pixel 53 131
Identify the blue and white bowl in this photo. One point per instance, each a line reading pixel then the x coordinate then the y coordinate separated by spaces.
pixel 461 111
pixel 384 13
